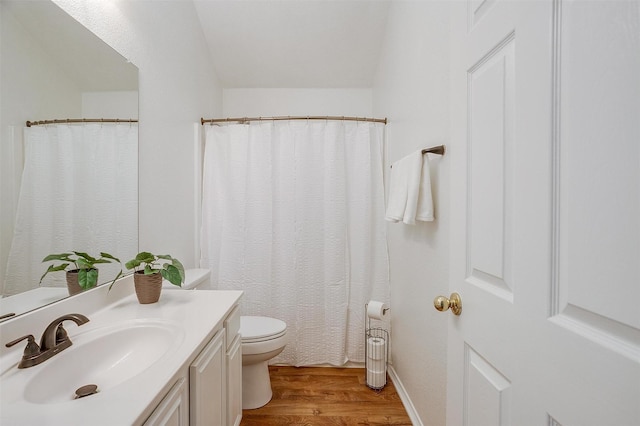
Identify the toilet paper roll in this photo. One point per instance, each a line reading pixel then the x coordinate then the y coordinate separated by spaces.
pixel 375 365
pixel 376 348
pixel 376 379
pixel 376 310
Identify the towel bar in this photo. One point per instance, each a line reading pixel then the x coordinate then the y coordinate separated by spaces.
pixel 438 150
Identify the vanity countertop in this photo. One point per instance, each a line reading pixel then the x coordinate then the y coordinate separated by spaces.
pixel 32 299
pixel 193 315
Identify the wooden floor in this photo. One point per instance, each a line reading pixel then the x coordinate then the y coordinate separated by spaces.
pixel 326 396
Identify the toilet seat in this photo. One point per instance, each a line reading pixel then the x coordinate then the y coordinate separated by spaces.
pixel 255 329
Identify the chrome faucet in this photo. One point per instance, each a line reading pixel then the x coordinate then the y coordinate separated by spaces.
pixel 54 340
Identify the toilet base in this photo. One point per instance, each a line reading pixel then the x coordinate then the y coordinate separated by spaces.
pixel 256 385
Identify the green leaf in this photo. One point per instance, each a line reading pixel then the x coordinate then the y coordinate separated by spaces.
pixel 108 256
pixel 92 278
pixel 148 270
pixel 164 256
pixel 54 269
pixel 59 267
pixel 145 257
pixel 133 263
pixel 172 274
pixel 180 268
pixel 88 258
pixel 87 278
pixel 61 256
pixel 102 261
pixel 115 279
pixel 82 278
pixel 83 264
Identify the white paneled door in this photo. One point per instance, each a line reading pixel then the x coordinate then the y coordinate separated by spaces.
pixel 546 213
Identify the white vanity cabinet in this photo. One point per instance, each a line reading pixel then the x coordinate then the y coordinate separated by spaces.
pixel 209 391
pixel 192 378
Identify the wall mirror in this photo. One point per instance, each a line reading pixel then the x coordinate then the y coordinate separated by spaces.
pixel 53 68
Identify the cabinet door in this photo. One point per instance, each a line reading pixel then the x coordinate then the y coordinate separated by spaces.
pixel 208 383
pixel 234 382
pixel 173 409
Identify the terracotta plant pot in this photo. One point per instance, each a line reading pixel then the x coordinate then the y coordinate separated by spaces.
pixel 72 283
pixel 148 287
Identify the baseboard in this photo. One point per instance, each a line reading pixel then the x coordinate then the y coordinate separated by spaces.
pixel 404 397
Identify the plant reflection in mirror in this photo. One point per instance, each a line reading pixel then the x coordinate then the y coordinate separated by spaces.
pixel 83 263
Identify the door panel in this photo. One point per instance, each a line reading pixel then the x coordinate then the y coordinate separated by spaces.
pixel 477 9
pixel 487 392
pixel 597 206
pixel 490 103
pixel 545 182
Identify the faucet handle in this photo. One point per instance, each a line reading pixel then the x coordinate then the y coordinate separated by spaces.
pixel 32 347
pixel 61 334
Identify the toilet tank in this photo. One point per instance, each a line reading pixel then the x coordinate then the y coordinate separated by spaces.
pixel 197 278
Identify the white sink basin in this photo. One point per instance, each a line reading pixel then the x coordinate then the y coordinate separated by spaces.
pixel 106 357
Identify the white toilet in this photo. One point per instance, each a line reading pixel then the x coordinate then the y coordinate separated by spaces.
pixel 193 279
pixel 263 338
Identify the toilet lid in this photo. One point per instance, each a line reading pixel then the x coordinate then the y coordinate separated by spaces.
pixel 254 329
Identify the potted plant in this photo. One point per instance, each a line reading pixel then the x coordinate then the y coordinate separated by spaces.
pixel 149 270
pixel 84 274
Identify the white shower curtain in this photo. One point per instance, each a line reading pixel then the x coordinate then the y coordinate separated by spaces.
pixel 293 214
pixel 79 192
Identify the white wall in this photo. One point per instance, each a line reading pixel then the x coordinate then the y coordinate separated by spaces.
pixel 411 89
pixel 178 85
pixel 33 88
pixel 116 104
pixel 283 102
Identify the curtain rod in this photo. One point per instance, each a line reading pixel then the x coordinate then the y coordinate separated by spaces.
pixel 316 117
pixel 81 120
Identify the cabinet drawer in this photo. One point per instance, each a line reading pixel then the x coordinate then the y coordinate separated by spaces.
pixel 232 325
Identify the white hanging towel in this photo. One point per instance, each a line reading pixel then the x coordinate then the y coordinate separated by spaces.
pixel 425 199
pixel 410 190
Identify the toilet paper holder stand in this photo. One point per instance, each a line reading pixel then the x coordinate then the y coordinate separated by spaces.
pixel 376 344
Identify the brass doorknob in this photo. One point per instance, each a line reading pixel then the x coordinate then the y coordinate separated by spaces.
pixel 442 303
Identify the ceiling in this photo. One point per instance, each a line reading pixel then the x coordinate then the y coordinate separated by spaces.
pixel 88 61
pixel 294 43
pixel 253 43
